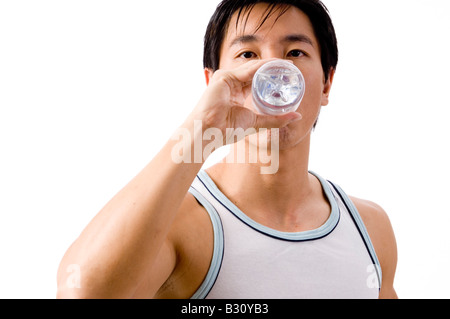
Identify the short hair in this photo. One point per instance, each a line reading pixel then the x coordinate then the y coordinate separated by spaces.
pixel 314 9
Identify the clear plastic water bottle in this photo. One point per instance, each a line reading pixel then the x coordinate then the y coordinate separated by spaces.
pixel 278 87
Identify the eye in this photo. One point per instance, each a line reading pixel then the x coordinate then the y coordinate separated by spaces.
pixel 296 53
pixel 248 55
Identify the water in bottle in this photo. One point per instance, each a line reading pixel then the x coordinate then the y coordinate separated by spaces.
pixel 278 87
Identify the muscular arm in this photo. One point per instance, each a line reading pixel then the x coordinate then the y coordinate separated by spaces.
pixel 126 237
pixel 382 235
pixel 128 242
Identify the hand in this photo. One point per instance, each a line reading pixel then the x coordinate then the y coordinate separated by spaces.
pixel 222 104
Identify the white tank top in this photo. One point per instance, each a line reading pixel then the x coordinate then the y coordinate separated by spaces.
pixel 252 261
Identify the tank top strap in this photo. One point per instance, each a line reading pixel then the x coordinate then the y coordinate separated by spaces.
pixel 356 217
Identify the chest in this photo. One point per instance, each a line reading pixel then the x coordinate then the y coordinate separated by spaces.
pixel 257 265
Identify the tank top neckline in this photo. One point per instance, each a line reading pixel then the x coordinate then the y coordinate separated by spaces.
pixel 308 235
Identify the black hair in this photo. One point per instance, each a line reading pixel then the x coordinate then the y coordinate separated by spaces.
pixel 314 9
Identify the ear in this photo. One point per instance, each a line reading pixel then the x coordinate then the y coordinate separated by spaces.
pixel 208 75
pixel 327 87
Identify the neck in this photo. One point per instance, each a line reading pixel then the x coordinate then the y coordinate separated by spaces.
pixel 289 200
pixel 282 191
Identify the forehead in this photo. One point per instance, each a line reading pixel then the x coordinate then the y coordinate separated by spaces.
pixel 269 21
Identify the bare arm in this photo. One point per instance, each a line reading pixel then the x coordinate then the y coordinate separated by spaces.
pixel 382 235
pixel 124 239
pixel 129 235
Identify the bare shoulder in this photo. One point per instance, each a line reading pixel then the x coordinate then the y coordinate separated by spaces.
pixel 381 233
pixel 192 227
pixel 378 225
pixel 374 216
pixel 191 237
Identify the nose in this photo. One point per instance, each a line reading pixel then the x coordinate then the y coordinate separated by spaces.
pixel 272 52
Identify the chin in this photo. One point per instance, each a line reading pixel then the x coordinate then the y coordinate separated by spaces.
pixel 287 137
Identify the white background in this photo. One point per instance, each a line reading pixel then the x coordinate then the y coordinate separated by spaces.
pixel 90 90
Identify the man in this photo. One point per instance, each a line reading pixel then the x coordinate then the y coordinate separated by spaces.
pixel 176 231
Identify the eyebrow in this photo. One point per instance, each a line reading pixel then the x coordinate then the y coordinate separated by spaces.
pixel 245 39
pixel 298 38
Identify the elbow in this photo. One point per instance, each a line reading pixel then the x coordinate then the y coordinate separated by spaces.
pixel 69 284
pixel 82 281
pixel 63 293
pixel 66 290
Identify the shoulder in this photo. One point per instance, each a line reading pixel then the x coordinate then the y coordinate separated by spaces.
pixel 191 238
pixel 192 223
pixel 376 221
pixel 381 233
pixel 374 216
